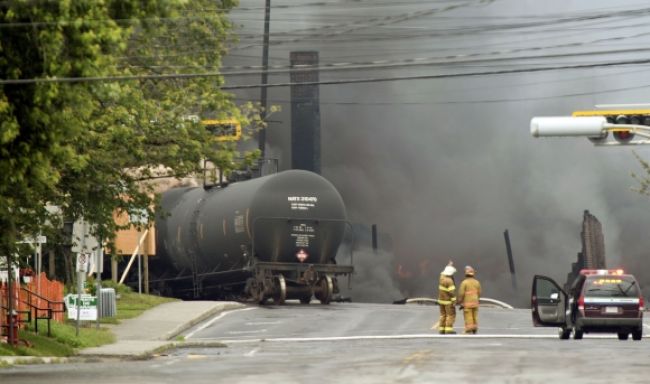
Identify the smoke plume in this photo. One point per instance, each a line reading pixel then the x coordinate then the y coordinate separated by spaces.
pixel 445 166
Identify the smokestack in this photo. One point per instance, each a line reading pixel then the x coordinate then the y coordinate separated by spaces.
pixel 305 113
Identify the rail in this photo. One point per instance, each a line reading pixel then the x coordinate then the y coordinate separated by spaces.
pixel 34 301
pixel 18 319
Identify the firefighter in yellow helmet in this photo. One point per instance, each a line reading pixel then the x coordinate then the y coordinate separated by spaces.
pixel 468 298
pixel 447 300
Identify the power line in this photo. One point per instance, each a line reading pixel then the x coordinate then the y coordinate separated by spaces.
pixel 132 21
pixel 374 22
pixel 323 82
pixel 492 87
pixel 447 76
pixel 457 60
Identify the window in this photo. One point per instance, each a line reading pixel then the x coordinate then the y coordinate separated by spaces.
pixel 611 286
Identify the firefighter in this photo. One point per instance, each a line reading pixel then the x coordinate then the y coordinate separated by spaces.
pixel 468 299
pixel 447 300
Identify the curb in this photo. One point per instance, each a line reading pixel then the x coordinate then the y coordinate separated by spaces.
pixel 19 360
pixel 200 318
pixel 165 344
pixel 165 341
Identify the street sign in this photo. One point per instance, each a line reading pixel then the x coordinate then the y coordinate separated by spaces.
pixel 87 308
pixel 83 261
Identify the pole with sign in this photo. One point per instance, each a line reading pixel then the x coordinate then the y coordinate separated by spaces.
pixel 84 309
pixel 83 259
pixel 99 268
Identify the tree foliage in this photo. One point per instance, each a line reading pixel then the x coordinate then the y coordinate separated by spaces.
pixel 85 146
pixel 644 181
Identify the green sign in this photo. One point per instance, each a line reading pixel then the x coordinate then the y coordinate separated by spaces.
pixel 87 306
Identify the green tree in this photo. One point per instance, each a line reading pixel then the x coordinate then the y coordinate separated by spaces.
pixel 86 141
pixel 644 181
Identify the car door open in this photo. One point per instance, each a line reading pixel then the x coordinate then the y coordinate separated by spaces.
pixel 548 302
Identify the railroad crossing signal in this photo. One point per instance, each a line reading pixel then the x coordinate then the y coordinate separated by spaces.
pixel 624 124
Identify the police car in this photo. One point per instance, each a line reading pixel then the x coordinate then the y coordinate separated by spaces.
pixel 599 301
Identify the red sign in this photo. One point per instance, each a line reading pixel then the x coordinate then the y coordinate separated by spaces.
pixel 302 255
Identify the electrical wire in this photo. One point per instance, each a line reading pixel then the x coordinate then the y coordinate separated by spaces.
pixel 375 22
pixel 509 85
pixel 455 60
pixel 181 76
pixel 339 29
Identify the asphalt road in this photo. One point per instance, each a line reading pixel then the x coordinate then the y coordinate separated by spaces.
pixel 365 343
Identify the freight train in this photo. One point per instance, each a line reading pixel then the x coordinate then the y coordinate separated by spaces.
pixel 272 237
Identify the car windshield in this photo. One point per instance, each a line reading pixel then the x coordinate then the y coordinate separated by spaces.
pixel 611 286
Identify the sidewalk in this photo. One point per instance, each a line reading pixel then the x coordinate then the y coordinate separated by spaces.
pixel 157 327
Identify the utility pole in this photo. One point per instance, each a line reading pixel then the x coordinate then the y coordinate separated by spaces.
pixel 265 66
pixel 10 303
pixel 511 262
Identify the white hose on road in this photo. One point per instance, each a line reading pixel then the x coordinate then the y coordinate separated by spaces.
pixel 482 300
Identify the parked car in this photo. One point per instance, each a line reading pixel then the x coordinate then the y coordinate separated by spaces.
pixel 599 300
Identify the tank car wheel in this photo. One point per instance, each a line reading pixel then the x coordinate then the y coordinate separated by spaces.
pixel 280 290
pixel 326 290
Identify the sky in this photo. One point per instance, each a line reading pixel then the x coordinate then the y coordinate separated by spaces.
pixel 445 163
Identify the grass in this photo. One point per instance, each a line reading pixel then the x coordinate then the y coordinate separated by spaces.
pixel 64 341
pixel 133 304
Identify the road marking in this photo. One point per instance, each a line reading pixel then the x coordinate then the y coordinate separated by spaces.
pixel 417 357
pixel 646 325
pixel 263 323
pixel 196 357
pixel 245 332
pixel 388 337
pixel 252 352
pixel 209 323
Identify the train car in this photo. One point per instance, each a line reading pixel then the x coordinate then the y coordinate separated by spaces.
pixel 275 236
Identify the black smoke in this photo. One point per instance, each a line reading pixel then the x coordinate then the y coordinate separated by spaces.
pixel 445 166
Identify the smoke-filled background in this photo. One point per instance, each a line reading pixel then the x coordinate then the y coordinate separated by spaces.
pixel 443 164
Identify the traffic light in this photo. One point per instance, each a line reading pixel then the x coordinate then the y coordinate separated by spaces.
pixel 619 117
pixel 224 130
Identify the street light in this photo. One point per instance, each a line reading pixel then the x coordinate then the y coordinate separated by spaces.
pixel 596 128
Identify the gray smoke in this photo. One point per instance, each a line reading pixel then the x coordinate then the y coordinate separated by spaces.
pixel 373 279
pixel 445 166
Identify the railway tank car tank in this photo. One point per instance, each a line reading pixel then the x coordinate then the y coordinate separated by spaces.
pixel 275 236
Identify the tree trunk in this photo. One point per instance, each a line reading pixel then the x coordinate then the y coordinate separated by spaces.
pixel 51 273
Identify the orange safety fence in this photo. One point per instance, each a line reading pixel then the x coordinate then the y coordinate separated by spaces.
pixel 40 293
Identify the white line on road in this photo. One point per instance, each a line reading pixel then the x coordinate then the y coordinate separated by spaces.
pixel 245 332
pixel 252 352
pixel 263 323
pixel 209 323
pixel 385 337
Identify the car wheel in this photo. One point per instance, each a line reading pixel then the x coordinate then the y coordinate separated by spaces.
pixel 564 333
pixel 623 335
pixel 636 335
pixel 577 334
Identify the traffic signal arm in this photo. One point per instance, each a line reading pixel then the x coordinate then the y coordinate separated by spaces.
pixel 596 128
pixel 568 126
